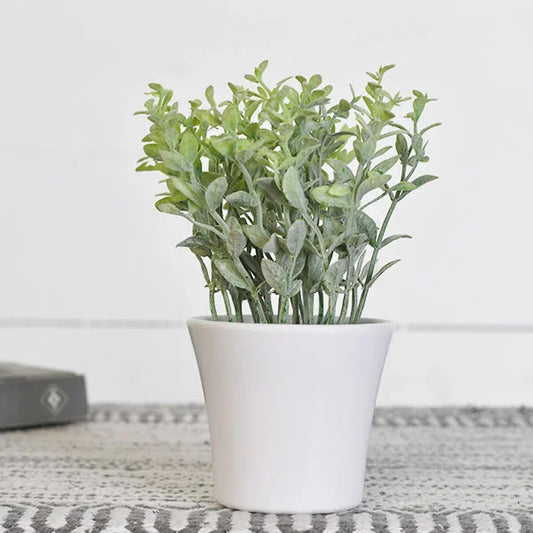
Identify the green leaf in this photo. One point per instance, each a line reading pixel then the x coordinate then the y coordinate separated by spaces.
pixel 381 271
pixel 401 145
pixel 189 146
pixel 197 244
pixel 364 224
pixel 431 126
pixel 275 276
pixel 171 137
pixel 269 186
pixel 272 245
pixel 342 170
pixel 205 116
pixel 166 205
pixel 187 190
pixel 292 189
pixel 422 180
pixel 364 150
pixel 385 68
pixel 296 236
pixel 215 193
pixel 240 198
pixel 419 103
pixel 157 87
pixel 418 145
pixel 331 229
pixel 385 165
pixel 343 108
pixel 322 196
pixel 381 151
pixel 235 242
pixel 210 96
pixel 339 190
pixel 257 236
pixel 285 131
pixel 373 181
pixel 224 145
pixel 403 186
pixel 261 68
pixel 392 238
pixel 355 244
pixel 230 273
pixel 176 161
pixel 295 287
pixel 229 118
pixel 331 148
pixel 314 81
pixel 145 167
pixel 315 273
pixel 334 275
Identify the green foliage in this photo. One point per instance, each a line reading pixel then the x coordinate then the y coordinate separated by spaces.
pixel 277 181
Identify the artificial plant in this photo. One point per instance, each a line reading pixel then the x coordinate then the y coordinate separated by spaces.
pixel 276 182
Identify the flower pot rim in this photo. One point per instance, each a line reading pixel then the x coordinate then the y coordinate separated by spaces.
pixel 207 321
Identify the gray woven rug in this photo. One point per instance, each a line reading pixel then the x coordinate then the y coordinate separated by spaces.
pixel 146 469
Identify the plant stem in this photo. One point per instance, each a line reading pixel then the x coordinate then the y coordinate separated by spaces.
pixel 227 304
pixel 306 304
pixel 330 316
pixel 237 304
pixel 354 305
pixel 283 309
pixel 268 306
pixel 295 310
pixel 212 304
pixel 259 309
pixel 301 307
pixel 253 192
pixel 373 260
pixel 344 308
pixel 320 307
pixel 210 283
pixel 253 310
pixel 381 235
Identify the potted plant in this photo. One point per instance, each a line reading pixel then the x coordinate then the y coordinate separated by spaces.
pixel 277 183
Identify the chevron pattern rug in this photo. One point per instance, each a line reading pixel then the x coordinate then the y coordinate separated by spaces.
pixel 147 469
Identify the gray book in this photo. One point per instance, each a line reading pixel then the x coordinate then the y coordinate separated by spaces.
pixel 34 396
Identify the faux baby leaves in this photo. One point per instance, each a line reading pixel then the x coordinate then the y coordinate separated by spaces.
pixel 278 183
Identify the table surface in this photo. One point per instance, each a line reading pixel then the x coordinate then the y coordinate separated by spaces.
pixel 147 468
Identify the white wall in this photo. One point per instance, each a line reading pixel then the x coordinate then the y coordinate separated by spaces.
pixel 81 241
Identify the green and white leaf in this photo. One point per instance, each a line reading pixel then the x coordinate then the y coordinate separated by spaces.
pixel 422 180
pixel 215 193
pixel 334 275
pixel 381 271
pixel 296 236
pixel 272 245
pixel 235 242
pixel 230 273
pixel 257 236
pixel 292 189
pixel 240 198
pixel 373 181
pixel 365 224
pixel 275 276
pixel 392 238
pixel 322 196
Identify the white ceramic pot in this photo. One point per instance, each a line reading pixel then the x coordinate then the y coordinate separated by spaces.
pixel 290 409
